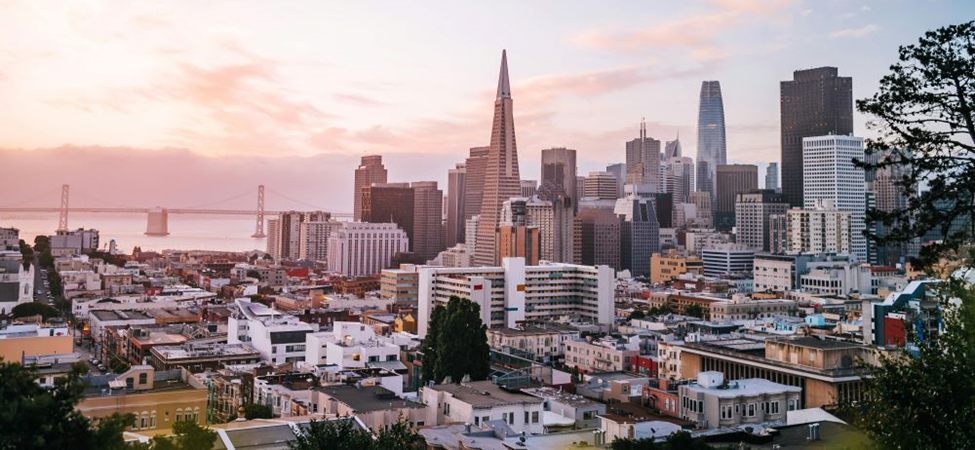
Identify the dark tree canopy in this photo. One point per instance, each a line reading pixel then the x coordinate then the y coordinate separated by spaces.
pixel 456 343
pixel 694 310
pixel 344 434
pixel 924 113
pixel 34 309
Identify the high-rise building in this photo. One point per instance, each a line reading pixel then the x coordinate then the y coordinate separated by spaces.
pixel 772 177
pixel 663 204
pixel 553 214
pixel 711 145
pixel 752 212
pixel 678 178
pixel 639 234
pixel 360 248
pixel 370 171
pixel 501 178
pixel 815 102
pixel 598 235
pixel 732 179
pixel 830 174
pixel 820 229
pixel 456 194
pixel 643 160
pixel 581 188
pixel 284 233
pixel 519 241
pixel 702 201
pixel 528 188
pixel 778 230
pixel 313 240
pixel 619 171
pixel 474 190
pixel 470 227
pixel 428 234
pixel 727 259
pixel 559 167
pixel 890 196
pixel 600 185
pixel 515 292
pixel 673 149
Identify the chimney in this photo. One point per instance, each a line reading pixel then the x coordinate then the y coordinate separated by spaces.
pixel 813 432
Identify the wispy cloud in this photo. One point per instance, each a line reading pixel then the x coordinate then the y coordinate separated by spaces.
pixel 854 32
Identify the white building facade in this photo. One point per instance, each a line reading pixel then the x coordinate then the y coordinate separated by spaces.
pixel 358 248
pixel 829 174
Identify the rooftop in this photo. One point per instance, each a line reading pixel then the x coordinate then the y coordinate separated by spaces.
pixel 559 396
pixel 368 398
pixel 747 387
pixel 190 350
pixel 484 394
pixel 817 343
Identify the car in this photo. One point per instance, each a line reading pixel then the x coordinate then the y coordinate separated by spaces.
pixel 102 367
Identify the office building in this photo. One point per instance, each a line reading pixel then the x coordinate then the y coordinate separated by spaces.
pixel 471 233
pixel 501 178
pixel 830 175
pixel 703 204
pixel 772 177
pixel 752 211
pixel 778 233
pixel 370 170
pixel 601 186
pixel 678 178
pixel 415 207
pixel 553 214
pixel 559 168
pixel 890 196
pixel 670 265
pixel 639 234
pixel 514 293
pixel 519 241
pixel 711 145
pixel 821 229
pixel 619 172
pixel 815 102
pixel 528 188
pixel 731 180
pixel 727 259
pixel 456 196
pixel 359 248
pixel 597 235
pixel 475 165
pixel 284 233
pixel 780 273
pixel 643 160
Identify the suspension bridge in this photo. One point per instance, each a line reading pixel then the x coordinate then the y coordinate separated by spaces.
pixel 157 222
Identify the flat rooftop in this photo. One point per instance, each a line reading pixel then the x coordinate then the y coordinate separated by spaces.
pixel 368 398
pixel 129 314
pixel 817 343
pixel 560 396
pixel 748 387
pixel 204 351
pixel 485 394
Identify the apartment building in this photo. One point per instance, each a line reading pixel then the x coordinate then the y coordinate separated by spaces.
pixel 713 402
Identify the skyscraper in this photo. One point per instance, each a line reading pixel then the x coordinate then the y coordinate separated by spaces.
pixel 528 188
pixel 501 178
pixel 752 212
pixel 772 177
pixel 559 167
pixel 830 175
pixel 712 149
pixel 357 249
pixel 284 232
pixel 815 102
pixel 370 171
pixel 643 160
pixel 639 234
pixel 619 171
pixel 474 185
pixel 598 234
pixel 600 185
pixel 456 194
pixel 416 208
pixel 732 179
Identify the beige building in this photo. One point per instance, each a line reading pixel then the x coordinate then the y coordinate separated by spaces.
pixel 400 285
pixel 744 308
pixel 714 402
pixel 156 399
pixel 668 266
pixel 27 340
pixel 545 342
pixel 604 355
pixel 376 406
pixel 480 402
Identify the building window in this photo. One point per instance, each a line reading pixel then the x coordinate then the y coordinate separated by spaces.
pixel 534 416
pixel 143 378
pixel 751 410
pixel 526 417
pixel 179 414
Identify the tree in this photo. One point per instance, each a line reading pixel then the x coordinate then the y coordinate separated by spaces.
pixel 398 436
pixel 681 440
pixel 456 343
pixel 257 411
pixel 26 253
pixel 341 434
pixel 34 309
pixel 694 310
pixel 187 435
pixel 925 117
pixel 923 395
pixel 661 310
pixel 637 314
pixel 33 417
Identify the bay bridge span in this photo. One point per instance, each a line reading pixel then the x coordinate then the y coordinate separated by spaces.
pixel 158 217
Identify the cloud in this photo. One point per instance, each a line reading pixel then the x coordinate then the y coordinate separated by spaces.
pixel 692 31
pixel 357 99
pixel 854 32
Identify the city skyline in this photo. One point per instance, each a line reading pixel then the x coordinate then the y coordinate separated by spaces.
pixel 132 110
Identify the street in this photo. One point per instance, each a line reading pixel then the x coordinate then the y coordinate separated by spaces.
pixel 42 291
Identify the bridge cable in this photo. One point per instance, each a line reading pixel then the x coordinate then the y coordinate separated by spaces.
pixel 235 197
pixel 56 190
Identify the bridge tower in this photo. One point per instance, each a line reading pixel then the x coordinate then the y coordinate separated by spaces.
pixel 259 230
pixel 63 217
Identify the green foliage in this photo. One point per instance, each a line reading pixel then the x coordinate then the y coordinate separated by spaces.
pixel 257 411
pixel 26 253
pixel 661 310
pixel 694 310
pixel 341 434
pixel 32 417
pixel 186 436
pixel 57 288
pixel 926 104
pixel 34 309
pixel 637 314
pixel 344 434
pixel 456 343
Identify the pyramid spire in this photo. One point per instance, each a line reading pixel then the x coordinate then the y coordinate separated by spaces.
pixel 504 87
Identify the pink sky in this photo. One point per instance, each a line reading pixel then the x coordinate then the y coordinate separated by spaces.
pixel 190 100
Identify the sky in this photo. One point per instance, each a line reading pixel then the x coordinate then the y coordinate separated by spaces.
pixel 189 102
